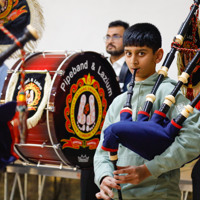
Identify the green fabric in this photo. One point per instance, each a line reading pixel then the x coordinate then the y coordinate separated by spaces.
pixel 164 182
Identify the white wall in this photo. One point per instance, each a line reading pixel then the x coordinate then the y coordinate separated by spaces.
pixel 81 24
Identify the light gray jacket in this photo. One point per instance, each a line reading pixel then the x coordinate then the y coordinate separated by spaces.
pixel 164 182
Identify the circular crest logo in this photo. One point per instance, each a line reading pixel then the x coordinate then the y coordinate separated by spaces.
pixel 33 96
pixel 85 108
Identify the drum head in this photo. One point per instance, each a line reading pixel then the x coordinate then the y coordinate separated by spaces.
pixel 81 99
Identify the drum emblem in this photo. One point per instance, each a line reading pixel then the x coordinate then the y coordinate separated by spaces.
pixel 33 90
pixel 33 96
pixel 85 112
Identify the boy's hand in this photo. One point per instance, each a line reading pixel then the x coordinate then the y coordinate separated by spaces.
pixel 133 174
pixel 106 186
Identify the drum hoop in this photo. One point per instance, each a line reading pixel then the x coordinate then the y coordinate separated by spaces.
pixel 11 87
pixel 47 113
pixel 21 155
pixel 14 74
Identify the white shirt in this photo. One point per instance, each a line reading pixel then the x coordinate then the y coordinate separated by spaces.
pixel 117 65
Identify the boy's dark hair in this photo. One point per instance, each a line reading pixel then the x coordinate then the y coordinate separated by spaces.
pixel 143 34
pixel 118 23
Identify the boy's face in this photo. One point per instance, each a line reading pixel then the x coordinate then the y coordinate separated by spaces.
pixel 142 58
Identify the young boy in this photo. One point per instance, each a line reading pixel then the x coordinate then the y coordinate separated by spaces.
pixel 141 179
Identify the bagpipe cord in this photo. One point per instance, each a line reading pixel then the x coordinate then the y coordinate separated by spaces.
pixel 193 50
pixel 20 116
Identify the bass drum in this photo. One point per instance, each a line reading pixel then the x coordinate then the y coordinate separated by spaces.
pixel 68 95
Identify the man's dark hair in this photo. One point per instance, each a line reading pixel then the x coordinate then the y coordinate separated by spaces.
pixel 118 23
pixel 143 34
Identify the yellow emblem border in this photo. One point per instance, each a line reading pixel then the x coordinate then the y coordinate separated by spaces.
pixel 80 91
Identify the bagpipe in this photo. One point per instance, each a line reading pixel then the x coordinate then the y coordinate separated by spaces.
pixel 141 136
pixel 17 35
pixel 144 133
pixel 13 110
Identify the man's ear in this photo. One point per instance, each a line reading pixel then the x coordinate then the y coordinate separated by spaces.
pixel 159 55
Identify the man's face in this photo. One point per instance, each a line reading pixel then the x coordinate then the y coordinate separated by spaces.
pixel 114 41
pixel 142 58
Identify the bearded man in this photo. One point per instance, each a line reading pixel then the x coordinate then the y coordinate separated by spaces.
pixel 114 47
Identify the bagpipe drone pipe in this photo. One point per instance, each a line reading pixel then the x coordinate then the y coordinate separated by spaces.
pixel 178 41
pixel 10 134
pixel 29 34
pixel 142 135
